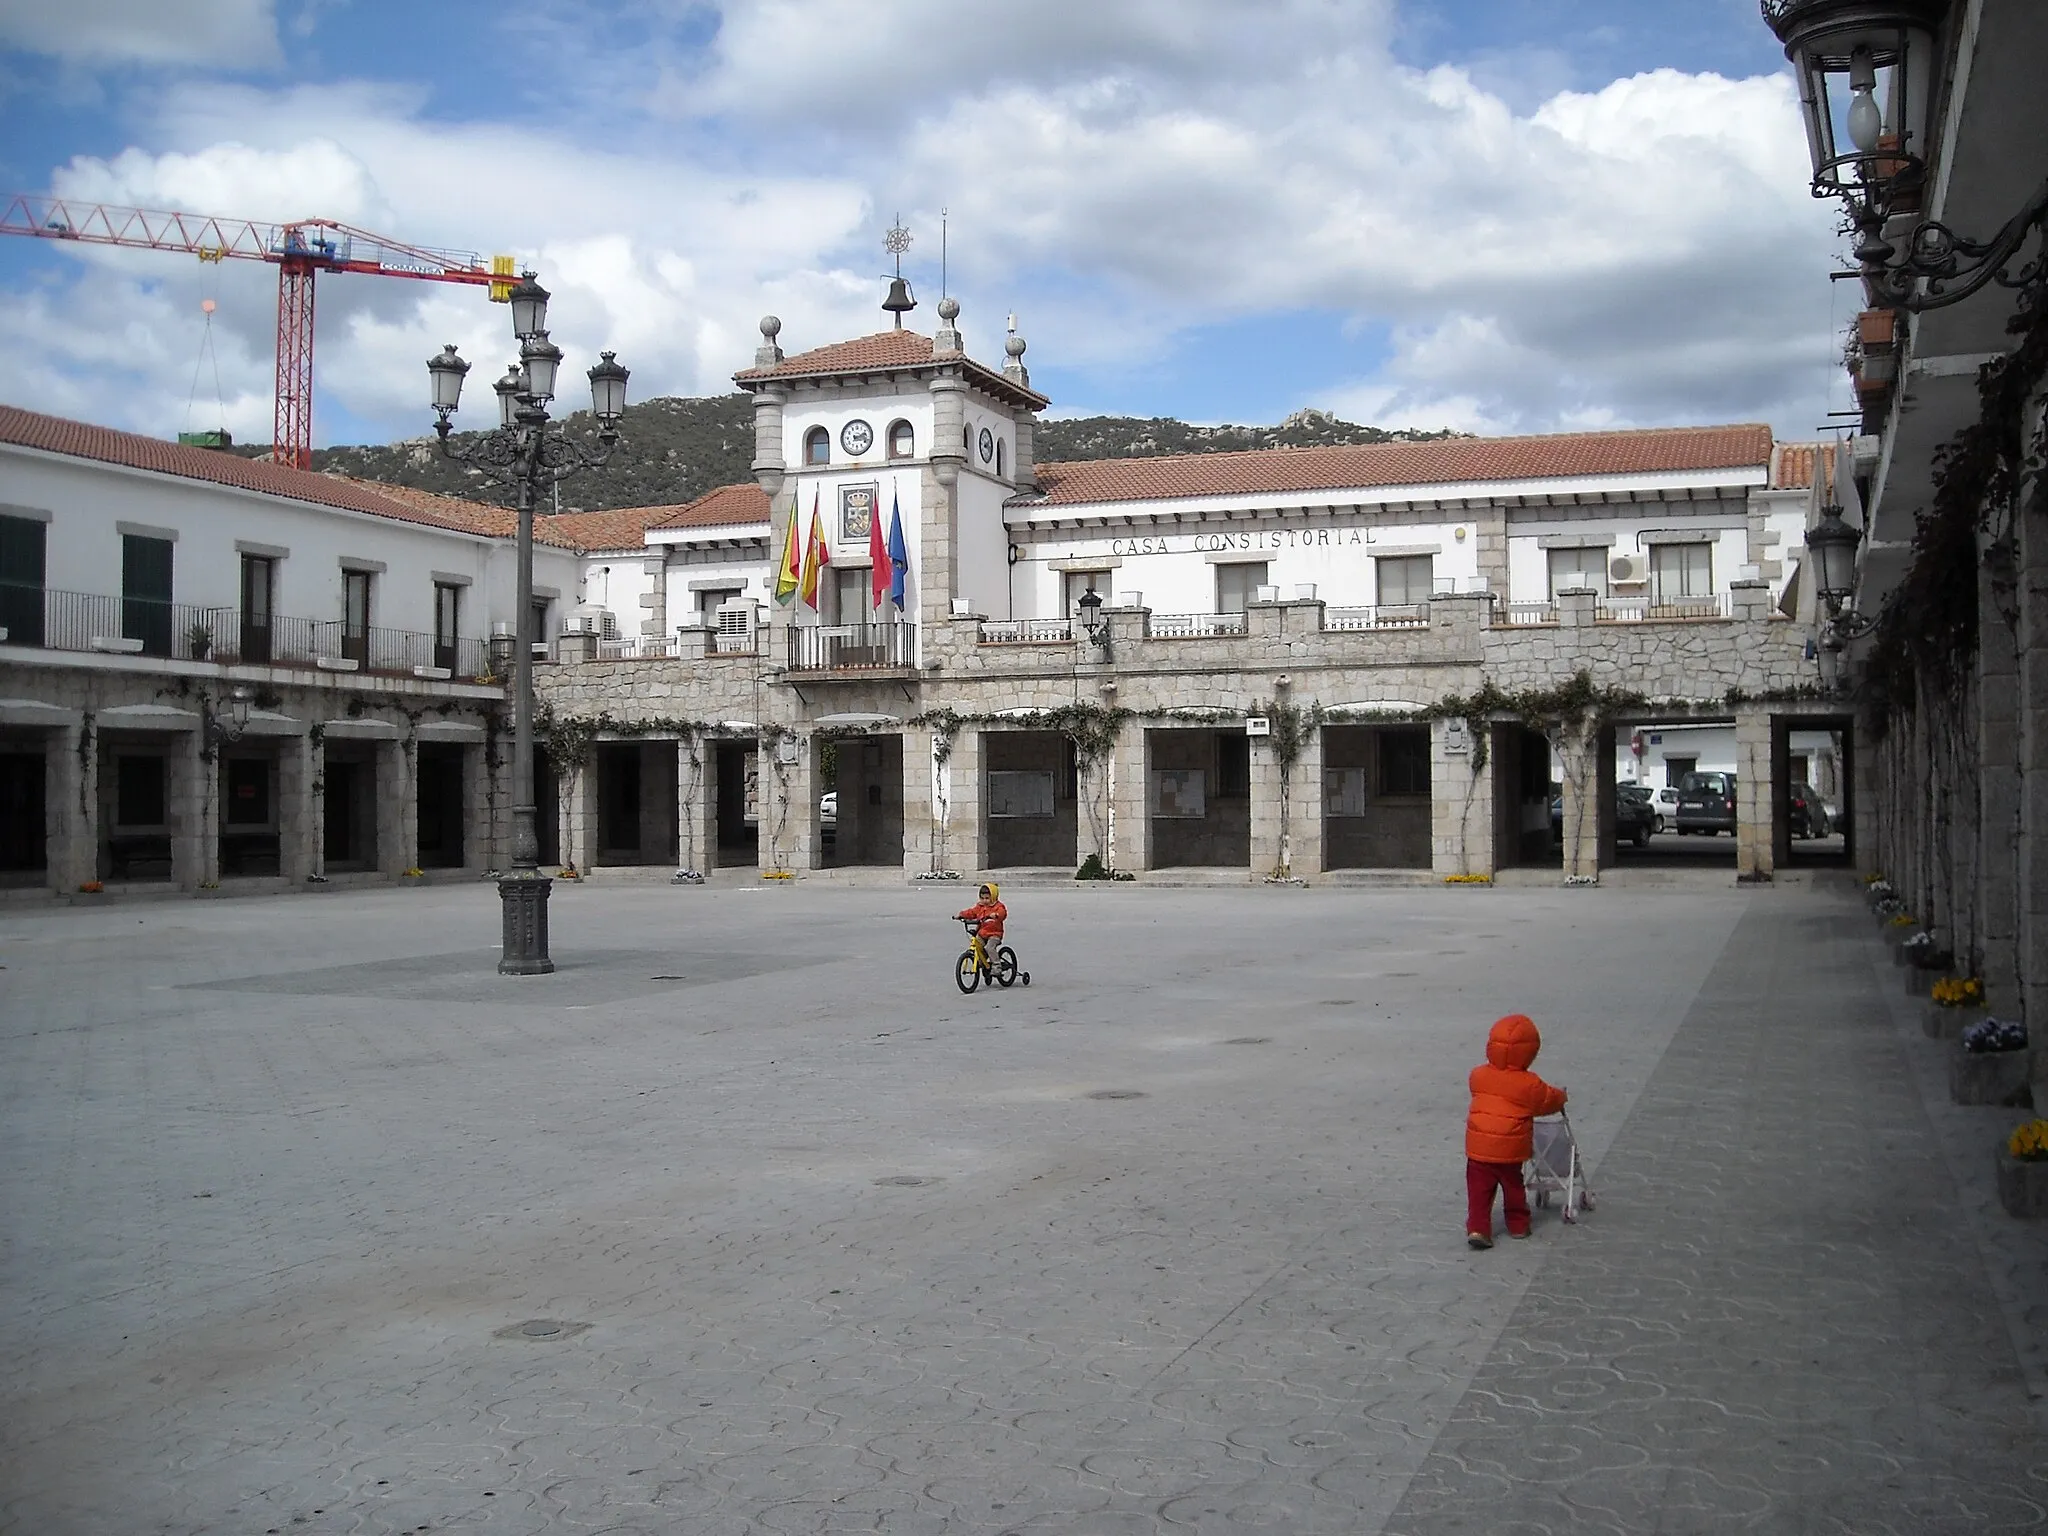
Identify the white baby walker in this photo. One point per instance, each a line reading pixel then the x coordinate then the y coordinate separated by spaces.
pixel 1555 1169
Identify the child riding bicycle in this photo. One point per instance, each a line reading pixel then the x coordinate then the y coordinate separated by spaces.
pixel 987 915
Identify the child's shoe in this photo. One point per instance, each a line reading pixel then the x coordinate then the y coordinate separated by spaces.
pixel 1478 1240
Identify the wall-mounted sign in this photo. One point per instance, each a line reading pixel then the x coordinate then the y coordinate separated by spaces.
pixel 1258 725
pixel 1457 738
pixel 857 512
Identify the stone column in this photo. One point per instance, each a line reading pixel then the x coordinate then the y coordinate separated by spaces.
pixel 963 823
pixel 789 805
pixel 939 504
pixel 398 808
pixel 1461 814
pixel 299 808
pixel 696 807
pixel 1304 831
pixel 578 815
pixel 195 810
pixel 654 620
pixel 480 807
pixel 1269 854
pixel 1754 856
pixel 71 805
pixel 1492 549
pixel 1577 608
pixel 2031 701
pixel 1130 800
pixel 1578 758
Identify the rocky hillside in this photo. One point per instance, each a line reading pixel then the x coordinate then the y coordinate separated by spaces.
pixel 674 450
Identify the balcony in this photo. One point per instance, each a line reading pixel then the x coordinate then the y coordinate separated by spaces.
pixel 1380 616
pixel 684 645
pixel 53 620
pixel 1026 631
pixel 1645 610
pixel 853 649
pixel 1195 626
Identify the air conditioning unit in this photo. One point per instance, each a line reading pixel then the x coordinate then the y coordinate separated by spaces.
pixel 1628 570
pixel 736 619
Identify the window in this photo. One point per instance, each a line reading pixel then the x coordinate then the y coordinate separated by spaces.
pixel 1019 793
pixel 447 623
pixel 1074 583
pixel 540 622
pixel 22 542
pixel 355 616
pixel 1585 567
pixel 1676 770
pixel 1679 572
pixel 711 599
pixel 817 446
pixel 999 458
pixel 847 594
pixel 902 440
pixel 1404 762
pixel 1237 585
pixel 146 592
pixel 1404 579
pixel 259 584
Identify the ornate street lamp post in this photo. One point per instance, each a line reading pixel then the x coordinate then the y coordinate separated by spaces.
pixel 525 455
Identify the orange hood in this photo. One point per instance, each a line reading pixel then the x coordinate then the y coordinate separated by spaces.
pixel 1513 1043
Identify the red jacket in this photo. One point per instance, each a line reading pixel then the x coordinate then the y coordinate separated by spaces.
pixel 1507 1097
pixel 990 916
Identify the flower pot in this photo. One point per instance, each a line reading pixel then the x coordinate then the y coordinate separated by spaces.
pixel 1939 1023
pixel 1989 1077
pixel 2022 1187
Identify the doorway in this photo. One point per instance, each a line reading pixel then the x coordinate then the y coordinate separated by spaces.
pixel 349 810
pixel 249 814
pixel 1376 797
pixel 860 803
pixel 24 829
pixel 736 791
pixel 1199 798
pixel 442 767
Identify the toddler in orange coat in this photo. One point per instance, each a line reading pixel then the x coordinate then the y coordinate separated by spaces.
pixel 1499 1135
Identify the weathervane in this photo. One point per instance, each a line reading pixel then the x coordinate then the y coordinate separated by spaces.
pixel 899 302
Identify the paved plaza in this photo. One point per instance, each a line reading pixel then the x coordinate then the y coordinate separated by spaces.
pixel 746 1221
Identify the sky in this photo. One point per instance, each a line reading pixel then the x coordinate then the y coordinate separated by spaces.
pixel 1499 216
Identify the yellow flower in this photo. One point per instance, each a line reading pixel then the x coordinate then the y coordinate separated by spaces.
pixel 1872 879
pixel 2030 1142
pixel 1904 920
pixel 1958 991
pixel 1468 879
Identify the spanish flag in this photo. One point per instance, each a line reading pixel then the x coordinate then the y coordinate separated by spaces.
pixel 816 556
pixel 791 575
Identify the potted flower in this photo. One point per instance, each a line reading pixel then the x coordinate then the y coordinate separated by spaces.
pixel 2023 1171
pixel 1992 1064
pixel 91 888
pixel 1957 1002
pixel 414 874
pixel 199 641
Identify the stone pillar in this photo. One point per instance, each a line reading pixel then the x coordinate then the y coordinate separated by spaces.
pixel 577 827
pixel 194 809
pixel 789 805
pixel 1271 847
pixel 1130 799
pixel 1578 758
pixel 1461 813
pixel 1458 620
pixel 1304 830
pixel 1492 549
pixel 1025 472
pixel 398 808
pixel 654 620
pixel 479 809
pixel 1754 855
pixel 1750 601
pixel 962 818
pixel 696 807
pixel 939 503
pixel 71 805
pixel 769 467
pixel 1577 608
pixel 300 808
pixel 2031 724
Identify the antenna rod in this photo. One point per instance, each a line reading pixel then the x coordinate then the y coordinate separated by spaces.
pixel 942 254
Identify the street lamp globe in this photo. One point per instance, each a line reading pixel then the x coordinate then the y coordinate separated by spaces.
pixel 508 389
pixel 446 370
pixel 1090 604
pixel 529 308
pixel 541 359
pixel 608 389
pixel 1832 544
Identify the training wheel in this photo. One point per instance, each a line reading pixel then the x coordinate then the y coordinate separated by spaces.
pixel 1025 978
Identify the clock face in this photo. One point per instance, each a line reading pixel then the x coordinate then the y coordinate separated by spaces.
pixel 856 437
pixel 988 445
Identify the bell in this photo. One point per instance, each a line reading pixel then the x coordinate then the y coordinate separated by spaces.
pixel 899 303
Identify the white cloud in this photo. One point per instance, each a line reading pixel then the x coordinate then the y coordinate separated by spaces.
pixel 215 34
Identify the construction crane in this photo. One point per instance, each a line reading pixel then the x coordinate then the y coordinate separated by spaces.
pixel 300 251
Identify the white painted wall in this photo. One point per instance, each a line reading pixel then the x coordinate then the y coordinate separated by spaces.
pixel 88 501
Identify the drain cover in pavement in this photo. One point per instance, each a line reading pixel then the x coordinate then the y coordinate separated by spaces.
pixel 541 1330
pixel 1251 1040
pixel 906 1180
pixel 1116 1093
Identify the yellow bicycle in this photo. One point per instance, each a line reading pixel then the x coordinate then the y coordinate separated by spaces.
pixel 977 965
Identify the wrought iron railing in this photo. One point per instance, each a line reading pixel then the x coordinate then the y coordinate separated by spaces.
pixel 1518 614
pixel 55 620
pixel 1194 626
pixel 1026 631
pixel 1641 610
pixel 852 647
pixel 1379 616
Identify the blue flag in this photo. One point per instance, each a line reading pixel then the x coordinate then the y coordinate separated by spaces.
pixel 899 554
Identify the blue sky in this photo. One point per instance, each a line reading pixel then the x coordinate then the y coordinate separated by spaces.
pixel 1501 215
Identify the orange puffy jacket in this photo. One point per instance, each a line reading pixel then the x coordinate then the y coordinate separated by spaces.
pixel 1507 1096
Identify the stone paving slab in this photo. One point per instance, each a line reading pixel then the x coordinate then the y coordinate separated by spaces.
pixel 836 1248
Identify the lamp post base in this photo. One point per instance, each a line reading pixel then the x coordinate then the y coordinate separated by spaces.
pixel 523 898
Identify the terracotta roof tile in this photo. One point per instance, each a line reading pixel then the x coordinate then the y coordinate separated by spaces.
pixel 1446 461
pixel 884 349
pixel 609 528
pixel 728 505
pixel 79 440
pixel 1792 465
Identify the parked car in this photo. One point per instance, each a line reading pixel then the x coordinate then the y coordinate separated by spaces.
pixel 1706 804
pixel 1666 801
pixel 1635 817
pixel 828 808
pixel 1809 812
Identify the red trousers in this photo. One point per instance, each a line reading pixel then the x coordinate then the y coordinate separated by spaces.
pixel 1480 1181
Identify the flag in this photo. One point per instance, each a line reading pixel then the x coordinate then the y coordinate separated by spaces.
pixel 787 579
pixel 881 575
pixel 899 556
pixel 816 556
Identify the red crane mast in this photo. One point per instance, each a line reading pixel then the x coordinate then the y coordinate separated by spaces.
pixel 300 251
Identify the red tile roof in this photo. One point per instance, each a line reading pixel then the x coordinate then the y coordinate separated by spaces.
pixel 728 505
pixel 882 351
pixel 1446 461
pixel 78 440
pixel 1792 465
pixel 610 528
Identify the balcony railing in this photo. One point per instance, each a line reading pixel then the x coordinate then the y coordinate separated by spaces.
pixel 1517 614
pixel 1195 626
pixel 852 647
pixel 89 621
pixel 1380 616
pixel 1026 631
pixel 1642 610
